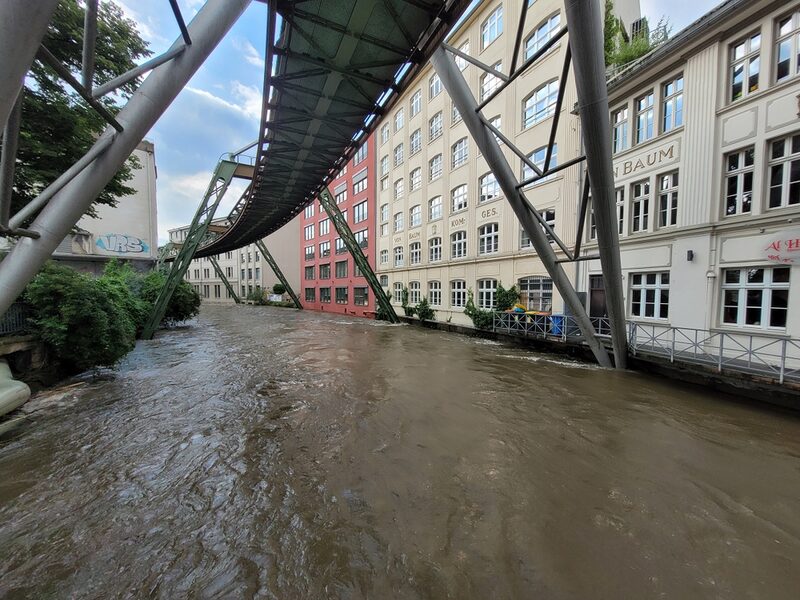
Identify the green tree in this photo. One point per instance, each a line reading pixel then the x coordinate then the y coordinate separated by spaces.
pixel 424 310
pixel 185 301
pixel 481 319
pixel 278 288
pixel 58 127
pixel 506 298
pixel 611 33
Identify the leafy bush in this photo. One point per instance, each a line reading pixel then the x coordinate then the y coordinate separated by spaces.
pixel 381 314
pixel 408 310
pixel 256 296
pixel 424 310
pixel 506 298
pixel 481 319
pixel 278 288
pixel 83 321
pixel 184 304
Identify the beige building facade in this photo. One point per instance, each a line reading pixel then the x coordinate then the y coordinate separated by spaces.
pixel 245 268
pixel 707 161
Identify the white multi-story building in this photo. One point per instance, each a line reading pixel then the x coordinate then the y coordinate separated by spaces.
pixel 444 226
pixel 245 268
pixel 706 136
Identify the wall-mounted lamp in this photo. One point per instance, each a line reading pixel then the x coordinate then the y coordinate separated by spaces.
pixel 690 255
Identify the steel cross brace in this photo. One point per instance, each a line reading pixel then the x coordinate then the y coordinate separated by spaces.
pixel 459 91
pixel 198 230
pixel 224 279
pixel 278 273
pixel 343 229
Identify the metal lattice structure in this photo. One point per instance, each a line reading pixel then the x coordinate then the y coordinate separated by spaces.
pixel 278 273
pixel 225 282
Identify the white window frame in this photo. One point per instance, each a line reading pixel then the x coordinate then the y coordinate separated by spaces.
pixel 459 198
pixel 435 249
pixel 488 239
pixel 737 186
pixel 742 289
pixel 779 173
pixel 649 289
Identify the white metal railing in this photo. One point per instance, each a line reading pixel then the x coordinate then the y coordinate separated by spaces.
pixel 777 358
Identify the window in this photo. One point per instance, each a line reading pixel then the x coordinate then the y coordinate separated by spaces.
pixel 620 195
pixel 398 256
pixel 308 232
pixel 398 155
pixel 341 268
pixel 490 82
pixel 757 297
pixel 309 272
pixel 435 249
pixel 415 216
pixel 340 195
pixel 549 216
pixel 360 212
pixel 524 240
pixel 672 104
pixel 415 179
pixel 536 293
pixel 455 116
pixel 459 198
pixel 341 173
pixel 360 296
pixel 487 289
pixel 460 62
pixel 398 222
pixel 340 246
pixel 360 185
pixel 384 257
pixel 244 273
pixel 311 294
pixel 362 238
pixel 206 273
pixel 787 47
pixel 415 253
pixel 668 199
pixel 398 189
pixel 644 117
pixel 309 252
pixel 538 158
pixel 739 181
pixel 458 293
pixel 399 119
pixel 384 212
pixel 489 188
pixel 540 105
pixel 360 154
pixel 414 292
pixel 784 172
pixel 496 123
pixel 416 102
pixel 745 66
pixel 415 142
pixel 384 184
pixel 460 153
pixel 488 238
pixel 384 281
pixel 325 271
pixel 385 133
pixel 435 208
pixel 619 121
pixel 650 295
pixel 341 295
pixel 435 293
pixel 640 206
pixel 384 229
pixel 324 249
pixel 458 244
pixel 542 35
pixel 324 227
pixel 435 126
pixel 397 296
pixel 435 167
pixel 434 86
pixel 492 27
pixel 309 211
pixel 384 165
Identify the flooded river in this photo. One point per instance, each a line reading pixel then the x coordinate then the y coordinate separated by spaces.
pixel 268 453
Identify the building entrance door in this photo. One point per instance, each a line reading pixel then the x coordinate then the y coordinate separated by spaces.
pixel 598 311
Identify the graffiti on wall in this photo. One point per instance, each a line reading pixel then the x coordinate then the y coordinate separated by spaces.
pixel 122 244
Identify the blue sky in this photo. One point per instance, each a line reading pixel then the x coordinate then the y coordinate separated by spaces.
pixel 220 108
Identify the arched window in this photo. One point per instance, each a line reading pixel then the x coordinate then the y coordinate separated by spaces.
pixel 540 105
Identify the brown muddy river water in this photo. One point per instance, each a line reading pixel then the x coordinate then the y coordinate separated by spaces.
pixel 268 453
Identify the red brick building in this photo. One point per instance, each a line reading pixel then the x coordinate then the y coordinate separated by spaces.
pixel 329 277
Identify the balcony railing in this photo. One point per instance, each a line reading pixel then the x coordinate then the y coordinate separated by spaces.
pixel 545 326
pixel 15 321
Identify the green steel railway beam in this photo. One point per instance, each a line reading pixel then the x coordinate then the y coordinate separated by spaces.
pixel 271 261
pixel 198 230
pixel 224 279
pixel 343 229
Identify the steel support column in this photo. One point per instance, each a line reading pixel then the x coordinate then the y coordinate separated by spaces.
pixel 223 175
pixel 278 273
pixel 138 116
pixel 585 22
pixel 458 89
pixel 224 279
pixel 22 26
pixel 343 229
pixel 8 161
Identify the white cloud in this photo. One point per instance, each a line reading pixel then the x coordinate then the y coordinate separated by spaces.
pixel 147 26
pixel 248 97
pixel 249 52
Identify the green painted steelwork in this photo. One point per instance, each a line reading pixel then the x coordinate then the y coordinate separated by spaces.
pixel 271 262
pixel 198 231
pixel 224 279
pixel 343 229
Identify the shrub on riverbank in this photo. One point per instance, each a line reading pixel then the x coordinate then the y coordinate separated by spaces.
pixel 87 321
